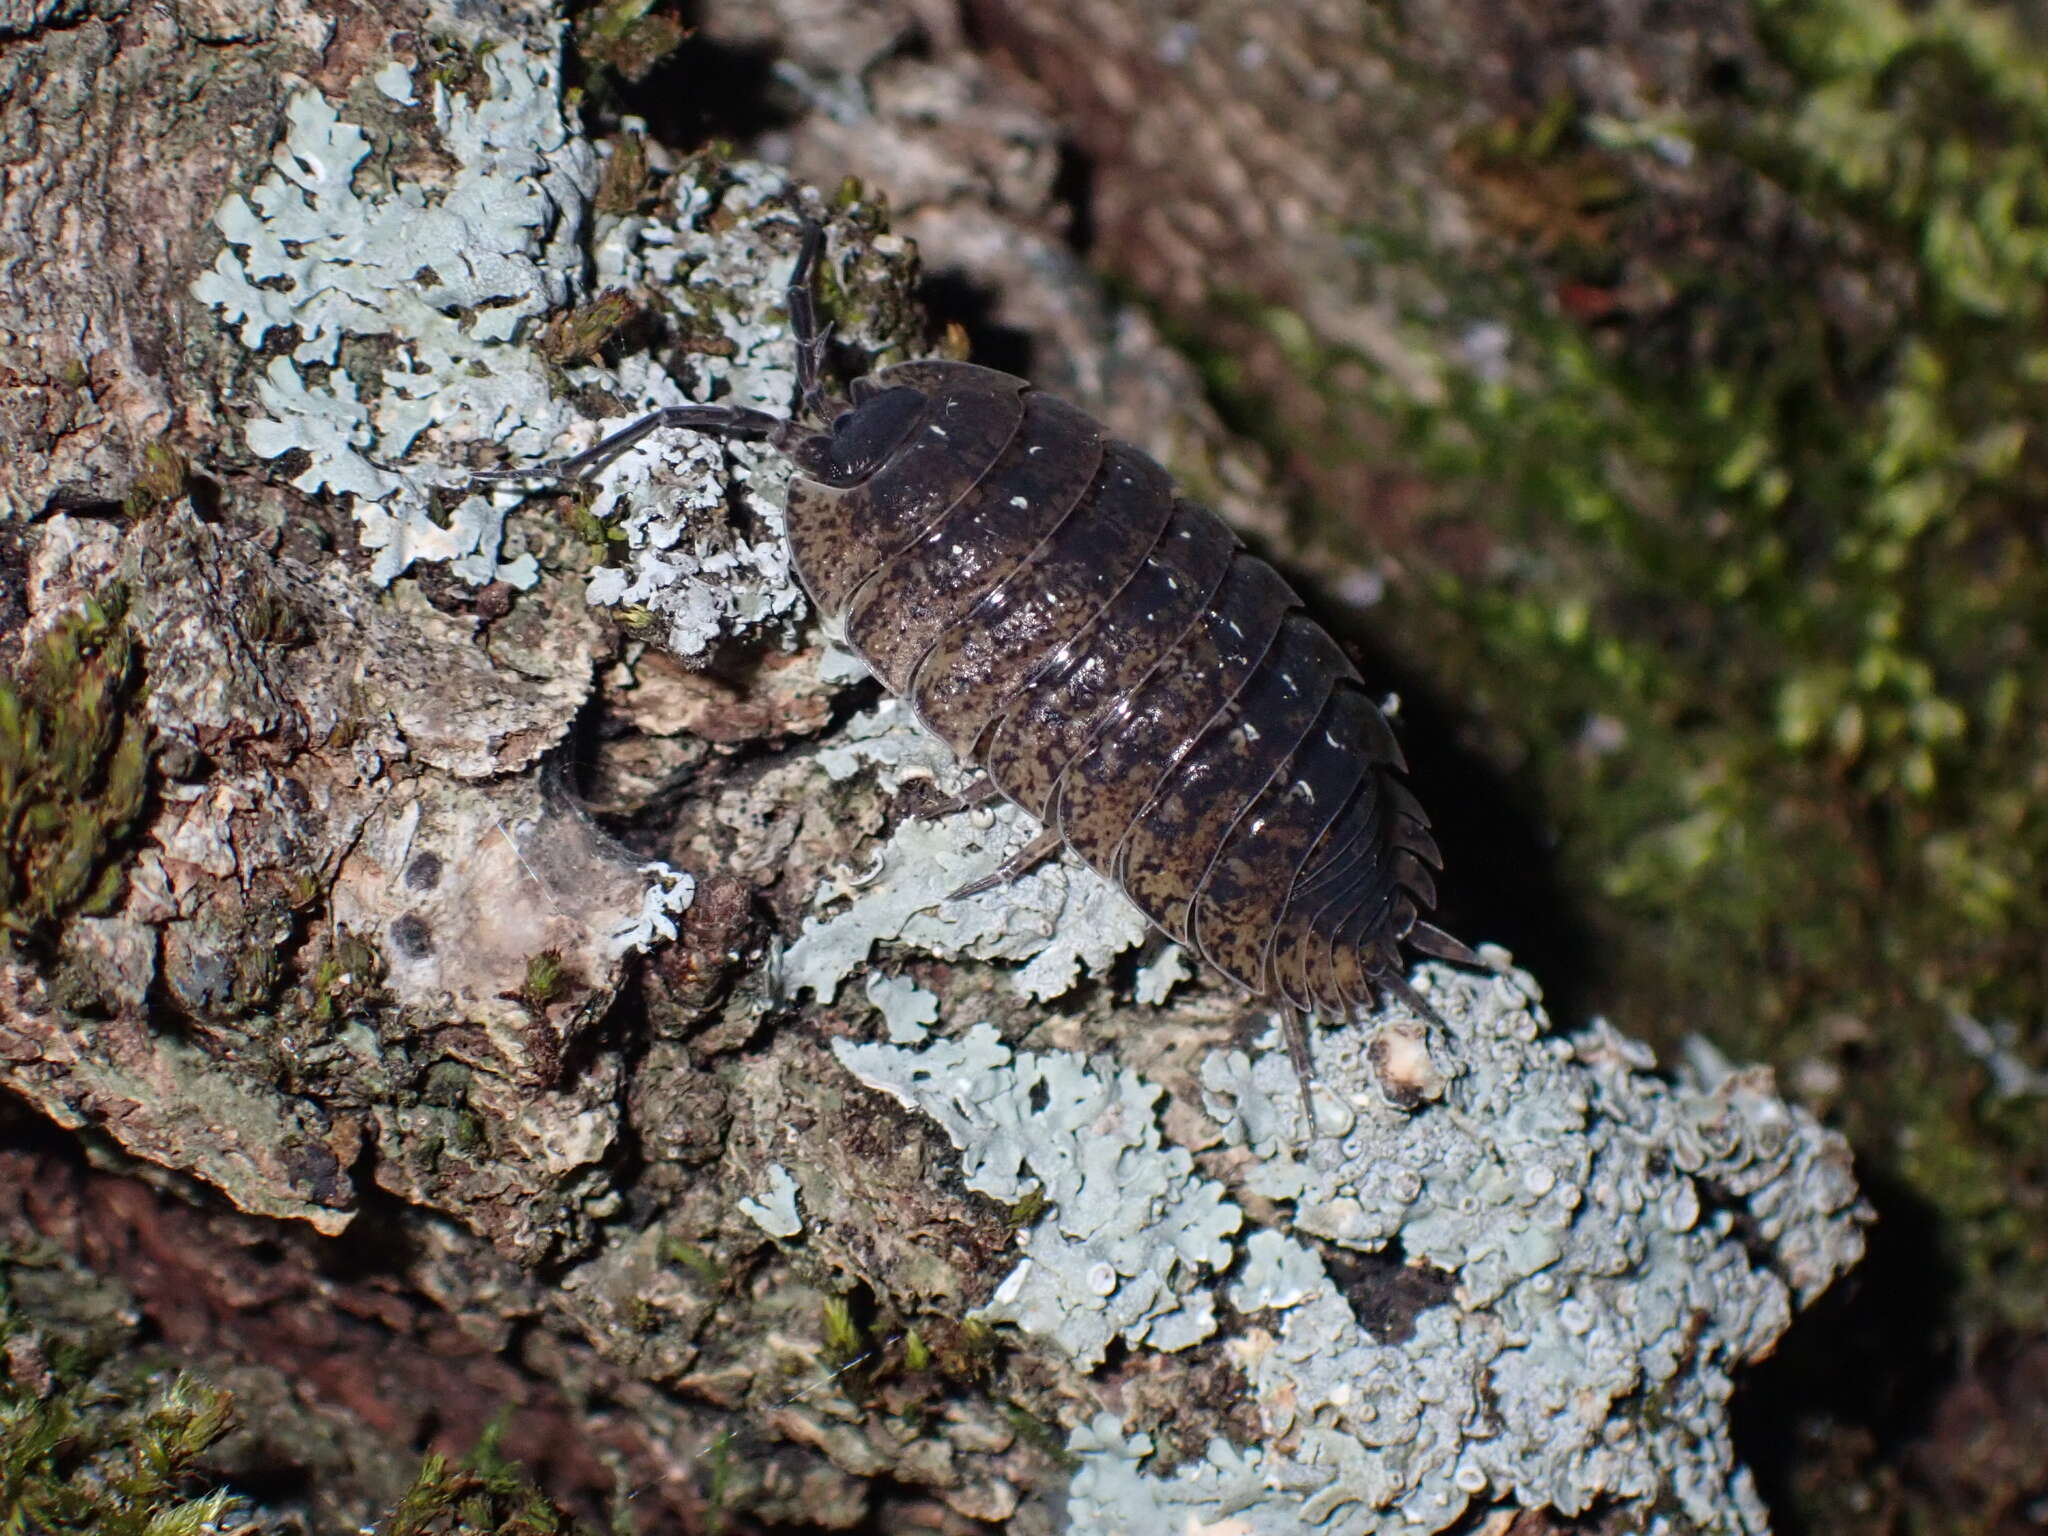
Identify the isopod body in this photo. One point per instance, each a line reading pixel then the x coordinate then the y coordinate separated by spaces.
pixel 1112 657
pixel 1124 669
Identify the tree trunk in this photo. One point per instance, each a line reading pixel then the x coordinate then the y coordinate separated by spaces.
pixel 475 974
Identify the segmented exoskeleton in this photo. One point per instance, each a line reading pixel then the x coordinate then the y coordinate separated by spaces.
pixel 1112 658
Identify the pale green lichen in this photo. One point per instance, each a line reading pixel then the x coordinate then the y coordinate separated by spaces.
pixel 443 277
pixel 1056 919
pixel 907 1009
pixel 775 1211
pixel 1601 1248
pixel 1131 1231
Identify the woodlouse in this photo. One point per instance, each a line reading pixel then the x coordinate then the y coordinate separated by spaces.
pixel 1112 658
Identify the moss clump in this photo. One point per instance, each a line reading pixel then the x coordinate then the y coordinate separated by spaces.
pixel 485 1498
pixel 546 981
pixel 581 334
pixel 1775 636
pixel 845 1339
pixel 346 978
pixel 76 1460
pixel 74 770
pixel 162 480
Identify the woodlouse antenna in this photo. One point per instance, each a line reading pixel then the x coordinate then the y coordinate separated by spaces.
pixel 716 420
pixel 812 340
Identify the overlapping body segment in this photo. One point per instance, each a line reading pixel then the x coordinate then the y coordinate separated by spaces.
pixel 1026 490
pixel 840 535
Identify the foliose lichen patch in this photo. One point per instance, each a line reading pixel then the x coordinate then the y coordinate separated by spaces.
pixel 1606 1246
pixel 445 284
pixel 775 1211
pixel 1132 1231
pixel 440 278
pixel 1057 919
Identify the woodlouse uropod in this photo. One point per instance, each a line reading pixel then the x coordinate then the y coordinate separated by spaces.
pixel 1111 658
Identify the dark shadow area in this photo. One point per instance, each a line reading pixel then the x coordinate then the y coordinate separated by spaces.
pixel 1385 1291
pixel 953 297
pixel 1866 1364
pixel 1073 190
pixel 703 90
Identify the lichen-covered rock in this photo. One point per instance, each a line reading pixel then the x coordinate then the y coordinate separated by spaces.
pixel 368 932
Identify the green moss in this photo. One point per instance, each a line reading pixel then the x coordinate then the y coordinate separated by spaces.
pixel 711 1274
pixel 74 772
pixel 346 977
pixel 1748 589
pixel 1027 1210
pixel 917 1355
pixel 581 334
pixel 92 1445
pixel 546 981
pixel 844 1337
pixel 75 1458
pixel 486 1498
pixel 162 480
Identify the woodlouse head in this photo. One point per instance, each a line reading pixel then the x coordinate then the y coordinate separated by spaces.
pixel 862 438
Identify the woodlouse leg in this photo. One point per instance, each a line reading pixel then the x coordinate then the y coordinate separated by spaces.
pixel 1031 855
pixel 1294 1030
pixel 1397 984
pixel 982 791
pixel 714 420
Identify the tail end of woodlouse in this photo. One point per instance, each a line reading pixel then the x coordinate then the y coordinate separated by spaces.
pixel 1434 942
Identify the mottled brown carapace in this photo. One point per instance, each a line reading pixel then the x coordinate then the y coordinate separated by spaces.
pixel 1112 659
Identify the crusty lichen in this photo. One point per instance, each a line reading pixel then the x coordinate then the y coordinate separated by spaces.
pixel 1607 1246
